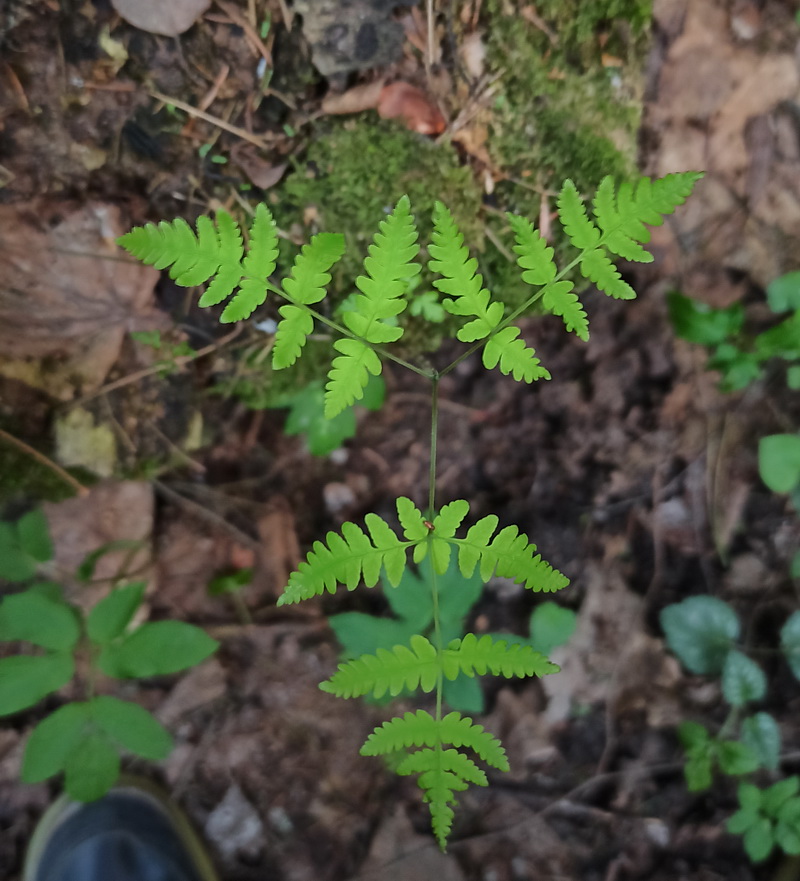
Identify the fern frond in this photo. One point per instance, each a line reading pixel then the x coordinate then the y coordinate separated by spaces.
pixel 257 267
pixel 534 254
pixel 461 280
pixel 572 213
pixel 510 352
pixel 349 375
pixel 404 667
pixel 421 729
pixel 509 555
pixel 411 520
pixel 447 521
pixel 304 286
pixel 215 253
pixel 441 773
pixel 473 654
pixel 389 267
pixel 348 559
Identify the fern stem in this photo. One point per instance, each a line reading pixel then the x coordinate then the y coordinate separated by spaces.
pixel 437 637
pixel 434 436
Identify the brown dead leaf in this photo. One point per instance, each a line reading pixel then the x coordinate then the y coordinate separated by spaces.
pixel 355 100
pixel 168 19
pixel 404 101
pixel 280 552
pixel 261 172
pixel 66 293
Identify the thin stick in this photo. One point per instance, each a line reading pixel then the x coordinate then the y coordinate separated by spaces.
pixel 149 371
pixel 79 488
pixel 259 141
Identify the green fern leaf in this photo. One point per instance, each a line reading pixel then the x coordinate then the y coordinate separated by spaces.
pixel 257 267
pixel 447 521
pixel 230 269
pixel 348 559
pixel 449 760
pixel 305 286
pixel 534 255
pixel 506 349
pixel 388 671
pixel 473 654
pixel 559 299
pixel 411 520
pixel 571 211
pixel 461 280
pixel 349 375
pixel 421 729
pixel 597 266
pixel 509 555
pixel 389 267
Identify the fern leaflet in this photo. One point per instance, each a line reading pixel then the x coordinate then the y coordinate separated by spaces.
pixel 509 555
pixel 215 253
pixel 421 729
pixel 389 266
pixel 536 258
pixel 510 352
pixel 306 285
pixel 571 211
pixel 472 654
pixel 348 559
pixel 417 666
pixel 450 259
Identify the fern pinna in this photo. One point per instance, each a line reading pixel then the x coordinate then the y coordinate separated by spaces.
pixel 443 749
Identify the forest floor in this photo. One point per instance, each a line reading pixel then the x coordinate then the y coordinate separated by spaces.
pixel 631 471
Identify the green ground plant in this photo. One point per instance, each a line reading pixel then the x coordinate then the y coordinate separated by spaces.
pixel 743 358
pixel 83 738
pixel 704 633
pixel 436 746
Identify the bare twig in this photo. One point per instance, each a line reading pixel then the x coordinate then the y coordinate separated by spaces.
pixel 79 488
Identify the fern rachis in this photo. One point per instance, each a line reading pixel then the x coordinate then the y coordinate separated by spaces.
pixel 434 743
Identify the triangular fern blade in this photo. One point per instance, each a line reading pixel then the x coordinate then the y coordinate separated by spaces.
pixel 559 299
pixel 472 545
pixel 596 266
pixel 293 330
pixel 402 668
pixel 665 194
pixel 473 654
pixel 183 246
pixel 368 327
pixel 572 214
pixel 460 730
pixel 534 255
pixel 310 273
pixel 143 242
pixel 262 251
pixel 349 375
pixel 513 356
pixel 207 256
pixel 622 228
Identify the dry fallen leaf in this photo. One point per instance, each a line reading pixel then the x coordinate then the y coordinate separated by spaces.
pixel 66 294
pixel 259 171
pixel 407 102
pixel 168 19
pixel 355 100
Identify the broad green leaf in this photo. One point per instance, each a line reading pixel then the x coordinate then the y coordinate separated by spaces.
pixel 790 642
pixel 362 634
pixel 735 758
pixel 32 617
pixel 783 293
pixel 774 797
pixel 34 536
pixel 787 837
pixel 457 595
pixel 761 734
pixel 759 840
pixel 779 461
pixel 701 631
pixel 411 599
pixel 742 680
pixel 15 564
pixel 131 726
pixel 307 417
pixel 109 618
pixel 698 323
pixel 551 625
pixel 157 649
pixel 25 679
pixel 52 740
pixel 92 768
pixel 464 693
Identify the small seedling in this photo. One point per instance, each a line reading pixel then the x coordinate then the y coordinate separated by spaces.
pixel 82 739
pixel 704 632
